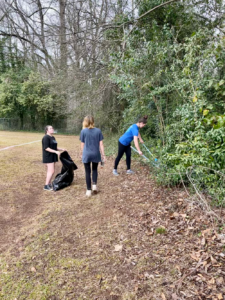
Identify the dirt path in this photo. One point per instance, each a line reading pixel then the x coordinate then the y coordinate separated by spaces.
pixel 133 240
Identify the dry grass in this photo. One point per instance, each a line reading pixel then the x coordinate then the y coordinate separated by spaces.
pixel 62 245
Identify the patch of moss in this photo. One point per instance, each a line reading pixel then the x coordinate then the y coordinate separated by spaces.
pixel 160 230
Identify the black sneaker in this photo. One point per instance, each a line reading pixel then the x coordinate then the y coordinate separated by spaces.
pixel 47 188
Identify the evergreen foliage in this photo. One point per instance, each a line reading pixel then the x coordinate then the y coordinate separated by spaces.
pixel 173 71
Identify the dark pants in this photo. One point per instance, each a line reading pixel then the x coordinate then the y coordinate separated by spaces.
pixel 87 167
pixel 121 150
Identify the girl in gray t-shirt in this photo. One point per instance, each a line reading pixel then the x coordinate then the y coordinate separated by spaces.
pixel 91 149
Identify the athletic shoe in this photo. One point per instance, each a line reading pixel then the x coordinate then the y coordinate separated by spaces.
pixel 88 193
pixel 115 172
pixel 47 188
pixel 94 188
pixel 130 172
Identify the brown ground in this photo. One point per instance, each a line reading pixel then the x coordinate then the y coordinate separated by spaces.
pixel 133 240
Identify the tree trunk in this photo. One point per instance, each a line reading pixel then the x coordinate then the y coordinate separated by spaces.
pixel 21 120
pixel 62 33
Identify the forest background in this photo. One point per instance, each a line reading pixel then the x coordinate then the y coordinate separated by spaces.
pixel 118 60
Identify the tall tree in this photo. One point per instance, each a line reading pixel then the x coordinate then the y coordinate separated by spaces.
pixel 62 35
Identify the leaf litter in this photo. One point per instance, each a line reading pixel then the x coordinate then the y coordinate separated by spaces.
pixel 108 246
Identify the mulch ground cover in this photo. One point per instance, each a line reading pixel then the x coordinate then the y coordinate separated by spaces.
pixel 132 240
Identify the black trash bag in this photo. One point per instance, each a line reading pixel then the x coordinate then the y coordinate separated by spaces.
pixel 65 178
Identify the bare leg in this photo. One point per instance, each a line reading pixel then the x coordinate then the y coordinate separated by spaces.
pixel 50 172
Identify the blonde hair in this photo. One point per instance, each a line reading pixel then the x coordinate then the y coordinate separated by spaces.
pixel 88 122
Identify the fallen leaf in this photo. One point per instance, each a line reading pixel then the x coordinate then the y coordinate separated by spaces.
pixel 220 296
pixel 174 297
pixel 207 266
pixel 213 260
pixel 149 233
pixel 206 232
pixel 163 296
pixel 221 237
pixel 183 215
pixel 115 295
pixel 204 263
pixel 203 242
pixel 211 281
pixel 136 288
pixel 174 215
pixel 195 255
pixel 219 281
pixel 115 278
pixel 118 247
pixel 33 269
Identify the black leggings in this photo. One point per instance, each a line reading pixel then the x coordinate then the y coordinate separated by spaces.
pixel 121 150
pixel 87 167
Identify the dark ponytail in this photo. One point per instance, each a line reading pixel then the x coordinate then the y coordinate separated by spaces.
pixel 143 120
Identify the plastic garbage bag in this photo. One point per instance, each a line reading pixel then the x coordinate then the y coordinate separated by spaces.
pixel 65 178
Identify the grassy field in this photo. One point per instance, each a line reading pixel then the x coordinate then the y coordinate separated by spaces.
pixel 133 240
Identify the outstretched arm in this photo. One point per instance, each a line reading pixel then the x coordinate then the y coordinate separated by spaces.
pixel 140 138
pixel 137 145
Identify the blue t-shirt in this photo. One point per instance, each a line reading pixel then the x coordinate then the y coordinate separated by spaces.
pixel 91 138
pixel 128 136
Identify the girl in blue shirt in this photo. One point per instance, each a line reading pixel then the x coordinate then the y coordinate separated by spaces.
pixel 131 134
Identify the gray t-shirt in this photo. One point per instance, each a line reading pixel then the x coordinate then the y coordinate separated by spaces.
pixel 91 138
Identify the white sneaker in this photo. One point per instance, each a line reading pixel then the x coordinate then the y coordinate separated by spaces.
pixel 94 188
pixel 88 193
pixel 115 172
pixel 130 172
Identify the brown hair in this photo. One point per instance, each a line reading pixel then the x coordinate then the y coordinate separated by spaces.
pixel 88 122
pixel 143 120
pixel 46 128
